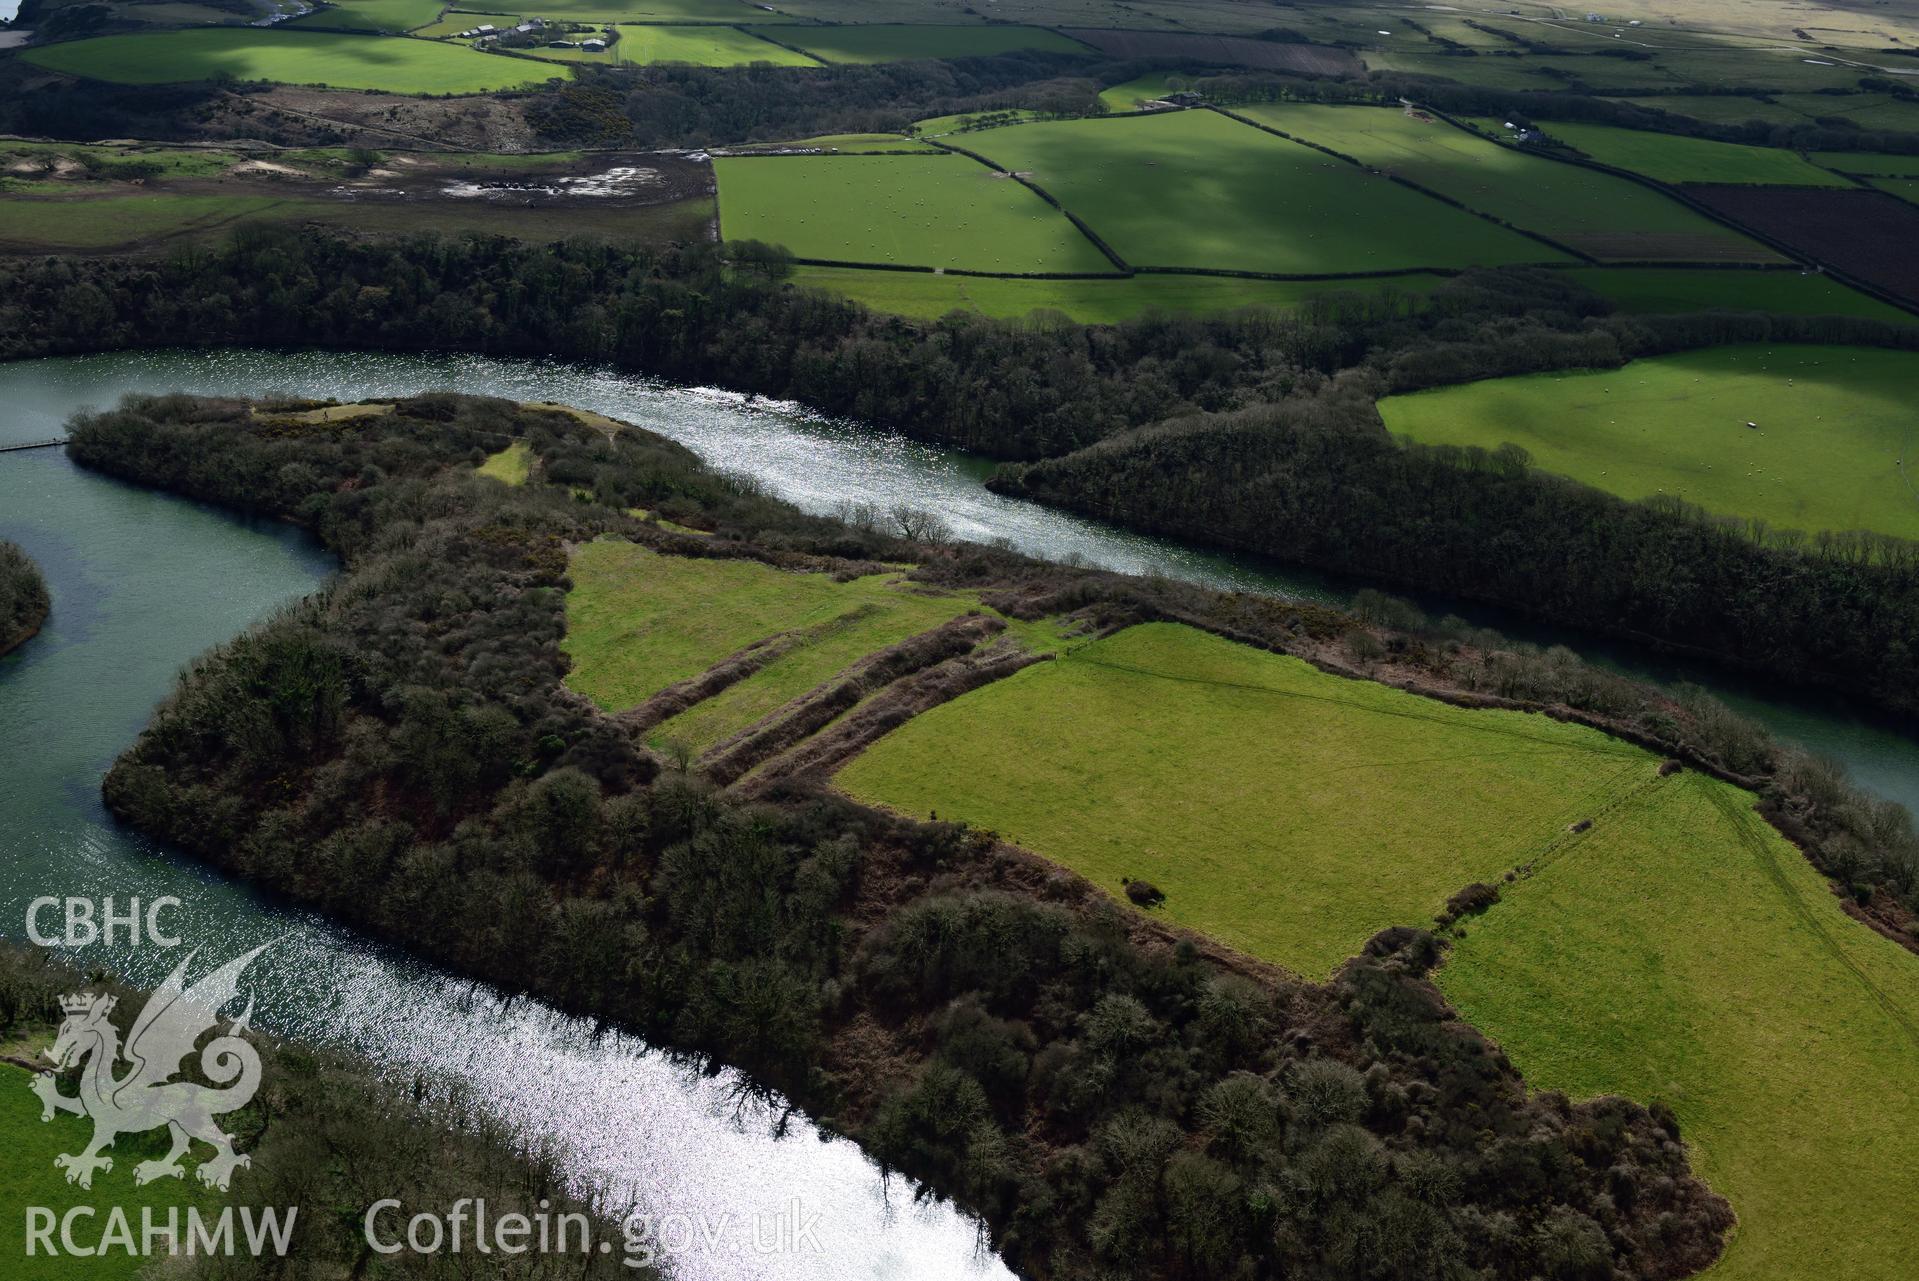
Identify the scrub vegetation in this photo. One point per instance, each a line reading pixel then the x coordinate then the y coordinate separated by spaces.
pixel 23 597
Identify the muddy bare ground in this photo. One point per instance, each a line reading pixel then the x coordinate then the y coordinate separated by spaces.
pixel 618 196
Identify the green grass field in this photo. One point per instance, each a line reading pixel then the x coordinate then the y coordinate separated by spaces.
pixel 882 43
pixel 1194 189
pixel 934 211
pixel 1129 96
pixel 1675 289
pixel 388 63
pixel 109 222
pixel 1595 213
pixel 638 621
pixel 708 46
pixel 511 466
pixel 1904 188
pixel 372 15
pixel 1871 163
pixel 1091 302
pixel 1283 811
pixel 1671 158
pixel 1836 436
pixel 1684 952
pixel 1722 109
pixel 28 1177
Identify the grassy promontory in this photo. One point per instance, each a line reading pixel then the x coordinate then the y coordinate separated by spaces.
pixel 1115 1095
pixel 23 597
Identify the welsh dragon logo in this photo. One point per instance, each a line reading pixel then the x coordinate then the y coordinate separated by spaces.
pixel 145 1096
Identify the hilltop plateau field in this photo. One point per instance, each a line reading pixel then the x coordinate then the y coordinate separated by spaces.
pixel 1834 444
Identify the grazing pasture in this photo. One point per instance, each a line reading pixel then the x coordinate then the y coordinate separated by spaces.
pixel 933 211
pixel 705 46
pixel 638 621
pixel 1835 441
pixel 1676 289
pixel 883 43
pixel 1671 158
pixel 1094 302
pixel 389 63
pixel 1907 189
pixel 1683 952
pixel 1284 811
pixel 1196 189
pixel 1596 213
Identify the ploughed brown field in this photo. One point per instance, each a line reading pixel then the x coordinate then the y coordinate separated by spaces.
pixel 1867 234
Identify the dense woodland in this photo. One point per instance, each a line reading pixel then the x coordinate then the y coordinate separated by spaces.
pixel 329 1137
pixel 398 751
pixel 23 596
pixel 1294 456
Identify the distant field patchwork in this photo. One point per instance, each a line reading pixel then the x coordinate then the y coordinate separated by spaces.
pixel 704 46
pixel 1195 189
pixel 1671 158
pixel 389 63
pixel 1596 213
pixel 879 42
pixel 932 211
pixel 1835 442
pixel 372 15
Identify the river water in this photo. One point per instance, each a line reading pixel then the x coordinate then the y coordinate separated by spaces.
pixel 142 582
